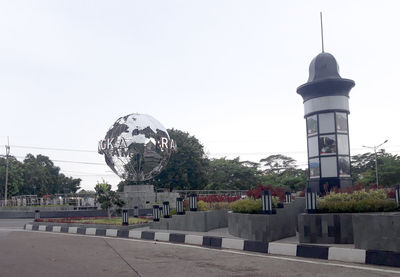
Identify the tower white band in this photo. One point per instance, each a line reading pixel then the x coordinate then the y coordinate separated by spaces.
pixel 326 103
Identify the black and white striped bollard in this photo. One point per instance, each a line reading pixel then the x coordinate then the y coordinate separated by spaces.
pixel 156 213
pixel 288 197
pixel 166 209
pixel 136 211
pixel 311 201
pixel 193 202
pixel 179 206
pixel 37 214
pixel 266 200
pixel 125 217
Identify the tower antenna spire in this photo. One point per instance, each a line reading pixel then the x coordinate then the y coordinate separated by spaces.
pixel 322 32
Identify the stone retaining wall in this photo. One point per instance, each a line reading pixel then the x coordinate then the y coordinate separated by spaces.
pixel 379 231
pixel 194 221
pixel 325 228
pixel 266 228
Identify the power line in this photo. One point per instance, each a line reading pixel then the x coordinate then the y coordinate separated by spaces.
pixel 75 162
pixel 54 149
pixel 63 161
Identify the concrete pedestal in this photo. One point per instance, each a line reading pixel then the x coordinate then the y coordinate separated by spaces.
pixel 137 195
pixel 326 228
pixel 379 231
pixel 266 228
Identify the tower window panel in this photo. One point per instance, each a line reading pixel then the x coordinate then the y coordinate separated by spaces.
pixel 313 166
pixel 341 122
pixel 312 125
pixel 327 145
pixel 326 123
pixel 344 167
pixel 343 144
pixel 328 167
pixel 313 146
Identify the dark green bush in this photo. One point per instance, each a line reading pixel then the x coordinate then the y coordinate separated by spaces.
pixel 247 206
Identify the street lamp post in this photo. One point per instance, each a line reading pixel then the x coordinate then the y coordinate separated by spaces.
pixel 376 159
pixel 6 183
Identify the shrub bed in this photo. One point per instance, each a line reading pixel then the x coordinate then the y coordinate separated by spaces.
pixel 356 202
pixel 275 191
pixel 215 198
pixel 251 206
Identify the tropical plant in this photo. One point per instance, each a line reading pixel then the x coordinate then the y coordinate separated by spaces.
pixel 107 198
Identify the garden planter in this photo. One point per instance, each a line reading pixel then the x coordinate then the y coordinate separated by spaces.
pixel 325 228
pixel 194 221
pixel 378 231
pixel 266 228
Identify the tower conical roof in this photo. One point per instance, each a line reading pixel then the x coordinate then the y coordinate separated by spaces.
pixel 324 79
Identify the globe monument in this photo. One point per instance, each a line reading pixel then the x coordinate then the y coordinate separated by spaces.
pixel 137 148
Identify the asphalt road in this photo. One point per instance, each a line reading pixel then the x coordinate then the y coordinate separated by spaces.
pixel 14 223
pixel 27 253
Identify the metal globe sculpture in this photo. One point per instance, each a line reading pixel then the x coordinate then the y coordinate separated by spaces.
pixel 137 147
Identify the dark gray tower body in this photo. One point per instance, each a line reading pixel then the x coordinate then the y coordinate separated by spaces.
pixel 326 110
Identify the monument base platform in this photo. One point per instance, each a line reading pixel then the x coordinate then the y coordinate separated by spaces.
pixel 138 195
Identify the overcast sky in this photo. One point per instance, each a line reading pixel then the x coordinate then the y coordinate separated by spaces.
pixel 224 71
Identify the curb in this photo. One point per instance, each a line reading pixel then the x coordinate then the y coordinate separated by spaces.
pixel 372 257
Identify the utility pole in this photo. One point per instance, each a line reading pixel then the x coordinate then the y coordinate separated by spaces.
pixel 376 159
pixel 7 154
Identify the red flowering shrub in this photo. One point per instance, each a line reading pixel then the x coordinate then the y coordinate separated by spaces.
pixel 215 198
pixel 391 193
pixel 350 189
pixel 186 204
pixel 275 191
pixel 360 186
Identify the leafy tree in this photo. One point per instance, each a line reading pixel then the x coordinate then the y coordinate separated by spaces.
pixel 282 171
pixel 35 175
pixel 278 163
pixel 42 177
pixel 15 176
pixel 37 178
pixel 294 179
pixel 186 168
pixel 225 174
pixel 107 198
pixel 363 168
pixel 362 163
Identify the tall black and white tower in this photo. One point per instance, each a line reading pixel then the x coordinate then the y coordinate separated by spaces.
pixel 326 110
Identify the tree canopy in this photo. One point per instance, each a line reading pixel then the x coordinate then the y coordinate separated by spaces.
pixel 189 168
pixel 186 168
pixel 35 175
pixel 225 174
pixel 363 168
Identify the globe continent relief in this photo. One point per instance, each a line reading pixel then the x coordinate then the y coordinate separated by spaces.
pixel 137 147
